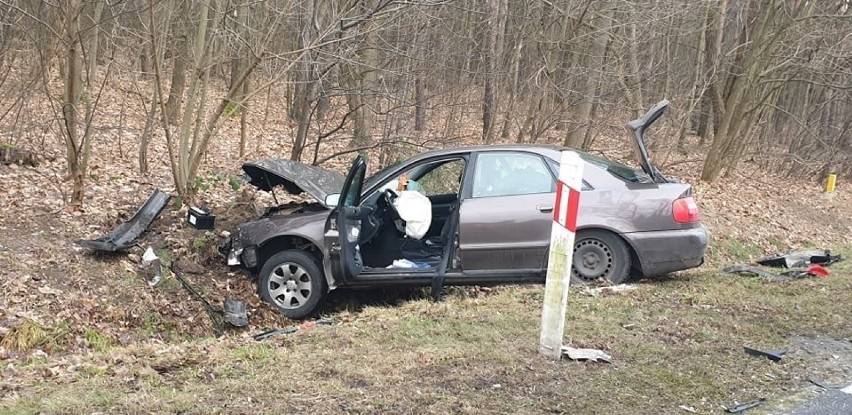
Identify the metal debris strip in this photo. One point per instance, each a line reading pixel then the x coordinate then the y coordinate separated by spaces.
pixel 593 355
pixel 124 235
pixel 292 329
pixel 737 408
pixel 216 315
pixel 774 355
pixel 819 382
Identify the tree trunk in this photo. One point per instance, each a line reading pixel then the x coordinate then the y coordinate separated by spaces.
pixel 576 134
pixel 71 101
pixel 178 84
pixel 489 99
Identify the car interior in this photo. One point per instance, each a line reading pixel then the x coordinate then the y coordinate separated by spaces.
pixel 383 239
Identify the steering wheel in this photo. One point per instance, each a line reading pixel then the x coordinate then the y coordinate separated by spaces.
pixel 389 196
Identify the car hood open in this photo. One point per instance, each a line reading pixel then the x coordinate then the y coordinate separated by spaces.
pixel 295 177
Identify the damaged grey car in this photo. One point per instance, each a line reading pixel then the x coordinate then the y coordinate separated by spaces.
pixel 461 216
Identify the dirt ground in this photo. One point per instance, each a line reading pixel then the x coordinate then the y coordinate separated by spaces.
pixel 69 308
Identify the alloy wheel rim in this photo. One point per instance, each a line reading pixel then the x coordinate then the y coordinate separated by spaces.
pixel 289 285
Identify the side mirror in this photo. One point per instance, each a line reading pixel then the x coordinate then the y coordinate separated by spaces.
pixel 332 199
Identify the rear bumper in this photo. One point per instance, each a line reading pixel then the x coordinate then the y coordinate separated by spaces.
pixel 667 251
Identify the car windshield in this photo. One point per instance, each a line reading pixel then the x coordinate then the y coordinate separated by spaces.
pixel 617 169
pixel 369 182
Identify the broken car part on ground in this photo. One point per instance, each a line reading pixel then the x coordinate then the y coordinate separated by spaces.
pixel 491 213
pixel 124 235
pixel 802 264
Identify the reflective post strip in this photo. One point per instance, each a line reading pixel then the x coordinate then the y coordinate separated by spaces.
pixel 561 253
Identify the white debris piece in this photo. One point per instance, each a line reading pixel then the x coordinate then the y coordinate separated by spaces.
pixel 594 355
pixel 613 289
pixel 151 260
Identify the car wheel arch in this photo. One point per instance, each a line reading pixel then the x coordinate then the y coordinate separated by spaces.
pixel 634 257
pixel 278 243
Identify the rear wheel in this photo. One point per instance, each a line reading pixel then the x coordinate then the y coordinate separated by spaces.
pixel 293 282
pixel 599 254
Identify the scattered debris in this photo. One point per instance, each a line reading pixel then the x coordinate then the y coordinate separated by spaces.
pixel 799 263
pixel 292 329
pixel 737 408
pixel 200 217
pixel 786 276
pixel 124 235
pixel 235 313
pixel 818 271
pixel 612 289
pixel 594 355
pixel 774 355
pixel 216 316
pixel 688 409
pixel 151 262
pixel 800 259
pixel 820 383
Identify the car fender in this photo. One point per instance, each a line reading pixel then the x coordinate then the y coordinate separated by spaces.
pixel 266 236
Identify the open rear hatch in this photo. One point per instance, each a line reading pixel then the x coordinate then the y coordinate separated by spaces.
pixel 294 177
pixel 638 127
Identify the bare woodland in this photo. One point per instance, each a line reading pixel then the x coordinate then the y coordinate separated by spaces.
pixel 768 81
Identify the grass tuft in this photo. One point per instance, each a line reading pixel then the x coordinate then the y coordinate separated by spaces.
pixel 24 337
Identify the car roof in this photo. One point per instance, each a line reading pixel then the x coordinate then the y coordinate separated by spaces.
pixel 548 149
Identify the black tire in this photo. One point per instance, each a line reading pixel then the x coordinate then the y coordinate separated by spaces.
pixel 293 282
pixel 599 254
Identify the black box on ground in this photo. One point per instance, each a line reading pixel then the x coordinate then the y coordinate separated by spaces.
pixel 200 218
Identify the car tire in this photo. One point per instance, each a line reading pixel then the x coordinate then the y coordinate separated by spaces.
pixel 599 254
pixel 293 282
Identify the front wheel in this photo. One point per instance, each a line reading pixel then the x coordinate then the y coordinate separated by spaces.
pixel 599 254
pixel 293 282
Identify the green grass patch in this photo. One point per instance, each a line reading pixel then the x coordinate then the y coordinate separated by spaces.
pixel 676 340
pixel 98 341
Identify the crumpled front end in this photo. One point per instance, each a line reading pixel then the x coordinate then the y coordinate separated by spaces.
pixel 237 251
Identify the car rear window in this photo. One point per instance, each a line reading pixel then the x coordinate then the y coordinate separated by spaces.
pixel 616 169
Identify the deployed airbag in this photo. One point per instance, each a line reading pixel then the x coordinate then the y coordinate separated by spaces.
pixel 416 210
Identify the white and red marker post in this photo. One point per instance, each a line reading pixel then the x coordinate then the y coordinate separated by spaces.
pixel 562 236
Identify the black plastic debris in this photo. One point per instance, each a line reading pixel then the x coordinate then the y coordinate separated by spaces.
pixel 737 408
pixel 124 235
pixel 216 315
pixel 822 384
pixel 800 259
pixel 774 355
pixel 235 313
pixel 292 329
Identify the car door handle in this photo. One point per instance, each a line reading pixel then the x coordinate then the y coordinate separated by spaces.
pixel 544 208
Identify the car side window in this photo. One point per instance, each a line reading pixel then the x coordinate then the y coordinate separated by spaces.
pixel 510 173
pixel 442 180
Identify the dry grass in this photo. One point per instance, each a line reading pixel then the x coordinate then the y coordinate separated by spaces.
pixel 24 337
pixel 676 341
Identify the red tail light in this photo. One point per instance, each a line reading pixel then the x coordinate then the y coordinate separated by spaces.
pixel 685 210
